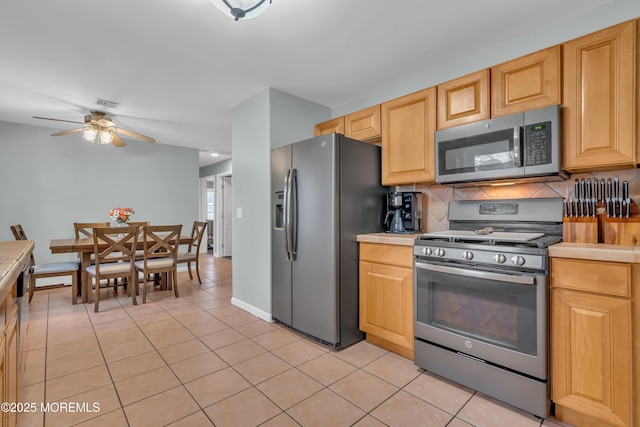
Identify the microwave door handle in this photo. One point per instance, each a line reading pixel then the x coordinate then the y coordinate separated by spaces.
pixel 517 155
pixel 487 275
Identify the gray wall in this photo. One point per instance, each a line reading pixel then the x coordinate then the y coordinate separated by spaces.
pixel 272 119
pixel 48 183
pixel 612 13
pixel 216 168
pixel 268 120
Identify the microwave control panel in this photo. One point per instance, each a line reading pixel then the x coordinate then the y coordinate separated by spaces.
pixel 537 143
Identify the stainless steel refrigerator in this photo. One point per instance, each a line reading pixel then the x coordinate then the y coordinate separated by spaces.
pixel 325 191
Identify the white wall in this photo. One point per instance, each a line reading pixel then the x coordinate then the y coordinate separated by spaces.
pixel 545 36
pixel 268 120
pixel 48 183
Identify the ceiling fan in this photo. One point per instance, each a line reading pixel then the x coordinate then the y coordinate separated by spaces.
pixel 99 124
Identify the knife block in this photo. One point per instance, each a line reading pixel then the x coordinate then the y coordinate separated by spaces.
pixel 580 230
pixel 621 231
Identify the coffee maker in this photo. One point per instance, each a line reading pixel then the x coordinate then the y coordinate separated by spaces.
pixel 412 210
pixel 408 207
pixel 394 222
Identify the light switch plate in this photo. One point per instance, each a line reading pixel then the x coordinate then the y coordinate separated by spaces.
pixel 238 212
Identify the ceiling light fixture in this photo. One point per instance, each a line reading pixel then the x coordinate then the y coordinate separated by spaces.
pixel 241 9
pixel 104 136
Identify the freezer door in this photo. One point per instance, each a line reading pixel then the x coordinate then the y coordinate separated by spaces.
pixel 315 294
pixel 280 265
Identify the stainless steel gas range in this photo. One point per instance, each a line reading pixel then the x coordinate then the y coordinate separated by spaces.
pixel 482 299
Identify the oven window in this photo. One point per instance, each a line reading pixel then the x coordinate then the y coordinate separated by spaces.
pixel 499 313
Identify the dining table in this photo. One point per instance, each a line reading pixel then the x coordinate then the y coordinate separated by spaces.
pixel 84 247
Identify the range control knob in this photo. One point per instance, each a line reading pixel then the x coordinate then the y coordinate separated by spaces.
pixel 517 260
pixel 427 251
pixel 440 252
pixel 499 258
pixel 468 255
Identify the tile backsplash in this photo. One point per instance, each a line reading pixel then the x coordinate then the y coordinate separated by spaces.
pixel 438 196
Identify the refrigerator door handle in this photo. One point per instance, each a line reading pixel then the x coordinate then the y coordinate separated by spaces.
pixel 292 221
pixel 286 209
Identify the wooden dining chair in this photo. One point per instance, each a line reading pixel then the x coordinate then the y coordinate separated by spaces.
pixel 138 224
pixel 160 245
pixel 114 250
pixel 85 229
pixel 52 269
pixel 193 252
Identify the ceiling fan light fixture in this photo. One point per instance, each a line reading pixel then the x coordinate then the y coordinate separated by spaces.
pixel 89 134
pixel 242 9
pixel 105 137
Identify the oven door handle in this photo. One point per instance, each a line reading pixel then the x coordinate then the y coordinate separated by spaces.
pixel 488 275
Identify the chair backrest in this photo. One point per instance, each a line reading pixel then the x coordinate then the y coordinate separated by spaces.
pixel 115 244
pixel 138 223
pixel 161 241
pixel 19 234
pixel 197 233
pixel 85 229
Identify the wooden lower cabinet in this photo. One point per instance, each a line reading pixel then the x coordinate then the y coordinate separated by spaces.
pixel 592 344
pixel 11 363
pixel 386 296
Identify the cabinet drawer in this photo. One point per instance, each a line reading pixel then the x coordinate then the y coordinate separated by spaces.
pixel 401 256
pixel 610 278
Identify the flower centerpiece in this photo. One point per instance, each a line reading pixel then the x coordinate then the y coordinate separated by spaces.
pixel 121 215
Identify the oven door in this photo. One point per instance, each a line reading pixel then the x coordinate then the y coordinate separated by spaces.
pixel 499 317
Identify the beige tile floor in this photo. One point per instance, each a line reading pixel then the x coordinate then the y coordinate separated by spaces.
pixel 200 361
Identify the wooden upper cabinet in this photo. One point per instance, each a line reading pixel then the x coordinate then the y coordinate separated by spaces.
pixel 526 83
pixel 408 126
pixel 600 111
pixel 330 126
pixel 464 100
pixel 364 125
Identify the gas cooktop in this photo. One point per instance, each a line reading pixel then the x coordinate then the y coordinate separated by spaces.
pixel 469 235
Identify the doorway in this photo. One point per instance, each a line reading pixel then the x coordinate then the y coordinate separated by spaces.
pixel 223 215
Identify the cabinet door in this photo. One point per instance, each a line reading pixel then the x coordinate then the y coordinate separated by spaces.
pixel 330 126
pixel 386 303
pixel 408 126
pixel 3 376
pixel 591 356
pixel 364 125
pixel 464 100
pixel 532 81
pixel 600 100
pixel 11 362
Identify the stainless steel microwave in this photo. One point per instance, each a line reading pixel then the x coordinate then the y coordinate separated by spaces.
pixel 520 147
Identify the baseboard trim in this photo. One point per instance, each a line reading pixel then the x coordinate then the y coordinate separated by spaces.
pixel 251 309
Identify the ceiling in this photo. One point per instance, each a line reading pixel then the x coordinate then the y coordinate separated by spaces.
pixel 179 67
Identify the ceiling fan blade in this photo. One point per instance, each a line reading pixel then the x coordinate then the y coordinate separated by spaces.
pixel 117 141
pixel 57 120
pixel 66 132
pixel 134 135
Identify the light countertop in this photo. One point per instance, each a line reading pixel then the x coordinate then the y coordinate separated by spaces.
pixel 596 252
pixel 589 251
pixel 15 254
pixel 389 238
